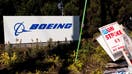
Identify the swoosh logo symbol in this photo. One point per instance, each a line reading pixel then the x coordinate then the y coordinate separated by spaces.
pixel 19 28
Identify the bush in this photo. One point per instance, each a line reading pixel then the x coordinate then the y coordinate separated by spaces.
pixel 56 58
pixel 6 59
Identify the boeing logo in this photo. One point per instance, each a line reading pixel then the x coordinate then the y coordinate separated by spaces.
pixel 20 27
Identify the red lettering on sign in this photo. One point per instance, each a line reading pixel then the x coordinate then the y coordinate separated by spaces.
pixel 113 34
pixel 121 47
pixel 117 40
pixel 111 28
pixel 118 32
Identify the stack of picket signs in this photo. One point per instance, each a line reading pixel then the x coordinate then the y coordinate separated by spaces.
pixel 116 43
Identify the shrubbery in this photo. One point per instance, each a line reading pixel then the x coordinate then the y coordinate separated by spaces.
pixel 55 58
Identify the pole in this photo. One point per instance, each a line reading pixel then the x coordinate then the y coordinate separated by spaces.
pixel 62 8
pixel 80 31
pixel 126 58
pixel 62 12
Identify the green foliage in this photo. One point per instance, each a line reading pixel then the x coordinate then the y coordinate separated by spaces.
pixel 93 16
pixel 93 57
pixel 70 9
pixel 97 71
pixel 36 7
pixel 102 12
pixel 6 59
pixel 72 67
pixel 54 57
pixel 49 8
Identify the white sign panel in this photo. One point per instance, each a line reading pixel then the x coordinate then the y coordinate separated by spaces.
pixel 114 56
pixel 113 36
pixel 28 29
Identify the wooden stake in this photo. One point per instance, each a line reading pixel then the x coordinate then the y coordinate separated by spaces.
pixel 126 58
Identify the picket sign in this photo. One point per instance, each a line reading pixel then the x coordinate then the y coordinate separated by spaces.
pixel 119 54
pixel 113 36
pixel 114 40
pixel 111 39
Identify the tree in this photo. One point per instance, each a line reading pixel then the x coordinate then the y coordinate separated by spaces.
pixel 93 18
pixel 72 8
pixel 50 8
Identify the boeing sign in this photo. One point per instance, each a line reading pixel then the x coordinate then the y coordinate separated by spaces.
pixel 29 28
pixel 20 28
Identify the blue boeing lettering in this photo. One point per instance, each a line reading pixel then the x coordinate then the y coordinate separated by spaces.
pixel 55 26
pixel 50 26
pixel 42 26
pixel 61 26
pixel 20 27
pixel 69 25
pixel 34 26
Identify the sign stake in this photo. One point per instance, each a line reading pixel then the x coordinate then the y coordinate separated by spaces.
pixel 80 31
pixel 126 58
